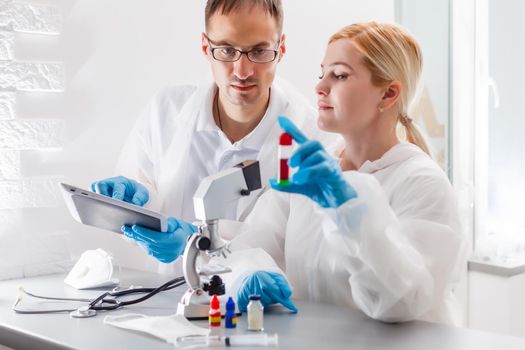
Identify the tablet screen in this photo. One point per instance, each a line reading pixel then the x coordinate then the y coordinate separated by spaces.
pixel 107 213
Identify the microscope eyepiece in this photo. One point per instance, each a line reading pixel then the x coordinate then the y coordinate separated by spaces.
pixel 203 243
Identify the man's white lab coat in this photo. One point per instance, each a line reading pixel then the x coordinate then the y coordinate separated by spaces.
pixel 176 144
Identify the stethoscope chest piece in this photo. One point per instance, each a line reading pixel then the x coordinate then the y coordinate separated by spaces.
pixel 83 312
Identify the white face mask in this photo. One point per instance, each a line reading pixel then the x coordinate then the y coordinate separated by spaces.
pixel 94 269
pixel 168 328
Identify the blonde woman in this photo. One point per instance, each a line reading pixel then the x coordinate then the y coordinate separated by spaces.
pixel 375 228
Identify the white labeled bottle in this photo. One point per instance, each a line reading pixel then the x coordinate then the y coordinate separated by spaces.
pixel 255 313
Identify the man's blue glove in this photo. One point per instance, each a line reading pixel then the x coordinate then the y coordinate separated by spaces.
pixel 122 188
pixel 164 246
pixel 319 176
pixel 271 286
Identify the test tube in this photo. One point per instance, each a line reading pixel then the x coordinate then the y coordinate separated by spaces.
pixel 285 152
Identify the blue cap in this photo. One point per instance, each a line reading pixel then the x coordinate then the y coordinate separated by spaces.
pixel 255 297
pixel 230 304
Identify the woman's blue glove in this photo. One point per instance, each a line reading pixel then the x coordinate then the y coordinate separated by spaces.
pixel 319 176
pixel 123 189
pixel 271 286
pixel 164 246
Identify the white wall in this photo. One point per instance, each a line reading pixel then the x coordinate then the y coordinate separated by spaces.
pixel 496 303
pixel 115 55
pixel 308 26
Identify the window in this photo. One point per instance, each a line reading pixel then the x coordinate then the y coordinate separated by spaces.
pixel 500 230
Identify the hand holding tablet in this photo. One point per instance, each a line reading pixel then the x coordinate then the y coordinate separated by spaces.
pixel 107 213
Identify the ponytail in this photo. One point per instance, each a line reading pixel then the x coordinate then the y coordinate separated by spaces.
pixel 413 134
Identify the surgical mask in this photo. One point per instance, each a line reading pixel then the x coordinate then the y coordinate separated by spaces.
pixel 168 328
pixel 94 269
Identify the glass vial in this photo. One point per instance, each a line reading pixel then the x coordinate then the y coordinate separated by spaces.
pixel 255 313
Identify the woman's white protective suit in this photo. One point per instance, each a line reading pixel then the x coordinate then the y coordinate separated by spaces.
pixel 396 251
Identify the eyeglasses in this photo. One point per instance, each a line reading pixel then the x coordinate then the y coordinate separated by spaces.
pixel 230 54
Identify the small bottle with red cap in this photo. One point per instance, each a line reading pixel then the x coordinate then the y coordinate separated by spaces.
pixel 285 152
pixel 214 316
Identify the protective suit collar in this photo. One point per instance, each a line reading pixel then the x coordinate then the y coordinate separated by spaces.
pixel 397 154
pixel 256 138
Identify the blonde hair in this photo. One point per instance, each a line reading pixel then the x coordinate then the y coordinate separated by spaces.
pixel 390 53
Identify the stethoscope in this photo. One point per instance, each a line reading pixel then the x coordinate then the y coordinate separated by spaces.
pixel 105 302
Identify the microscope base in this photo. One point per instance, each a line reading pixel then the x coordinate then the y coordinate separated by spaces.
pixel 195 305
pixel 195 311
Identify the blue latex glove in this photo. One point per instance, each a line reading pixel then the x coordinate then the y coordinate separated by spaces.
pixel 319 176
pixel 164 246
pixel 271 286
pixel 122 188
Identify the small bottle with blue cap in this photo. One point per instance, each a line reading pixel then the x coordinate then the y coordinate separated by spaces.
pixel 230 317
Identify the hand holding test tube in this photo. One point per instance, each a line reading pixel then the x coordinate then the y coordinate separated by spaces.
pixel 319 176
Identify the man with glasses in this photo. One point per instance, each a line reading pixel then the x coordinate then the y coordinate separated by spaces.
pixel 192 132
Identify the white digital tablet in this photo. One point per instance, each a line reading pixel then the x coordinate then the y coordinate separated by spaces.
pixel 107 213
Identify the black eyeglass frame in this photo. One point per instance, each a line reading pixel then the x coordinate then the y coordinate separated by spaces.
pixel 241 52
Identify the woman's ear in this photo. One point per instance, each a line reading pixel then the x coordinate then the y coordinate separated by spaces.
pixel 391 94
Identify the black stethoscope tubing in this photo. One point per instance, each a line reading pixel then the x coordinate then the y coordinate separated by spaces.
pixel 107 301
pixel 113 303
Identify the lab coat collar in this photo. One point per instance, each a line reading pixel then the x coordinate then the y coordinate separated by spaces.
pixel 256 138
pixel 399 153
pixel 205 121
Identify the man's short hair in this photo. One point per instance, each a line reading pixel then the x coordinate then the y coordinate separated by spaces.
pixel 273 7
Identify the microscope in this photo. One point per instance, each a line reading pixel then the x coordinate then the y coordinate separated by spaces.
pixel 210 201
